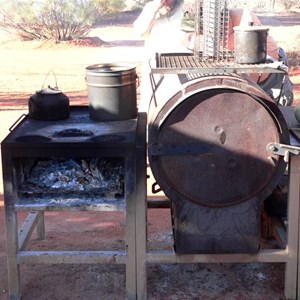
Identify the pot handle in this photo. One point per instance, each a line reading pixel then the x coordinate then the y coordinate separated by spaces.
pixel 51 71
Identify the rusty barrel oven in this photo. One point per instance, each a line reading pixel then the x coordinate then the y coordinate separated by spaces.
pixel 207 151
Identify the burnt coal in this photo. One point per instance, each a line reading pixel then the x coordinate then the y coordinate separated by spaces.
pixel 74 132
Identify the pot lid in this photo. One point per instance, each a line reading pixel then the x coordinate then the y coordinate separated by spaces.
pixel 110 67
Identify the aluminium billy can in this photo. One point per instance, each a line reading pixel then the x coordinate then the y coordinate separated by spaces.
pixel 250 44
pixel 111 91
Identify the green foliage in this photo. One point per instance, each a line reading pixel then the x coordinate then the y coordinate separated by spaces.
pixel 66 19
pixel 289 4
pixel 137 4
pixel 58 20
pixel 265 5
pixel 108 8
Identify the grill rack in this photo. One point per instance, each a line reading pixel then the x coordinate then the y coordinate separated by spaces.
pixel 185 63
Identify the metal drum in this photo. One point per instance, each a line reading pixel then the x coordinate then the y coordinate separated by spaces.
pixel 207 151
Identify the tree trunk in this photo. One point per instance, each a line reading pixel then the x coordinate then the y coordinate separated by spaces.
pixel 272 5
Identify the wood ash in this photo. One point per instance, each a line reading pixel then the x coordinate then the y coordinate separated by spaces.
pixel 89 177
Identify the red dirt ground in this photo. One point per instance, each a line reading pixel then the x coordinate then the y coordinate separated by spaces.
pixel 24 66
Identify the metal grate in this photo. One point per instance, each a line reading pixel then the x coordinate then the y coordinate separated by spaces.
pixel 188 64
pixel 188 61
pixel 74 132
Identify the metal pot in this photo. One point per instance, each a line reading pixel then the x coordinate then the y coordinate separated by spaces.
pixel 250 44
pixel 49 104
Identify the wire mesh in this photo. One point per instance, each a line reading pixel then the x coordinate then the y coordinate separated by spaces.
pixel 212 27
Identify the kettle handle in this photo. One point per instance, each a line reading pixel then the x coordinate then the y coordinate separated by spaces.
pixel 47 77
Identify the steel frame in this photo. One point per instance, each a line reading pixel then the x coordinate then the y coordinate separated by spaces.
pixel 289 255
pixel 186 64
pixel 16 241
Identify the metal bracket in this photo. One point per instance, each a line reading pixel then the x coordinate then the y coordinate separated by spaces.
pixel 179 149
pixel 283 150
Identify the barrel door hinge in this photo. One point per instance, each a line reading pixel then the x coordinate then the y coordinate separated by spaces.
pixel 283 150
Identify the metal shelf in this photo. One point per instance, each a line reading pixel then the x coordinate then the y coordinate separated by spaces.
pixel 186 63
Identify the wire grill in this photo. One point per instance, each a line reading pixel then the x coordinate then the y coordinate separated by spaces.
pixel 212 23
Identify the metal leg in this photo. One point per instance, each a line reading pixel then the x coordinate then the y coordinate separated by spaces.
pixel 141 238
pixel 40 226
pixel 130 231
pixel 293 229
pixel 141 220
pixel 13 268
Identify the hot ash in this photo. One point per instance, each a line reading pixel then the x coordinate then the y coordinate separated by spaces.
pixel 89 177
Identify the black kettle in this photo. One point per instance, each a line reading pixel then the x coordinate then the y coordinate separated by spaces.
pixel 49 104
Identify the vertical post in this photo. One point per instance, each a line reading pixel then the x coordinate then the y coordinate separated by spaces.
pixel 40 227
pixel 130 233
pixel 11 220
pixel 141 210
pixel 293 229
pixel 13 268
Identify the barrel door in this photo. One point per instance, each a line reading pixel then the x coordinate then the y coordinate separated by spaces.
pixel 207 144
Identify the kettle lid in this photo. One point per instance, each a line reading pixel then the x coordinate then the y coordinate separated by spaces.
pixel 49 90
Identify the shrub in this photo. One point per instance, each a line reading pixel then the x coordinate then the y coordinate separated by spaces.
pixel 108 8
pixel 59 20
pixel 265 5
pixel 289 4
pixel 138 4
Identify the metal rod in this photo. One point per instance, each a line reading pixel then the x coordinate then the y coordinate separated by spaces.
pixel 72 257
pixel 27 228
pixel 158 203
pixel 263 256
